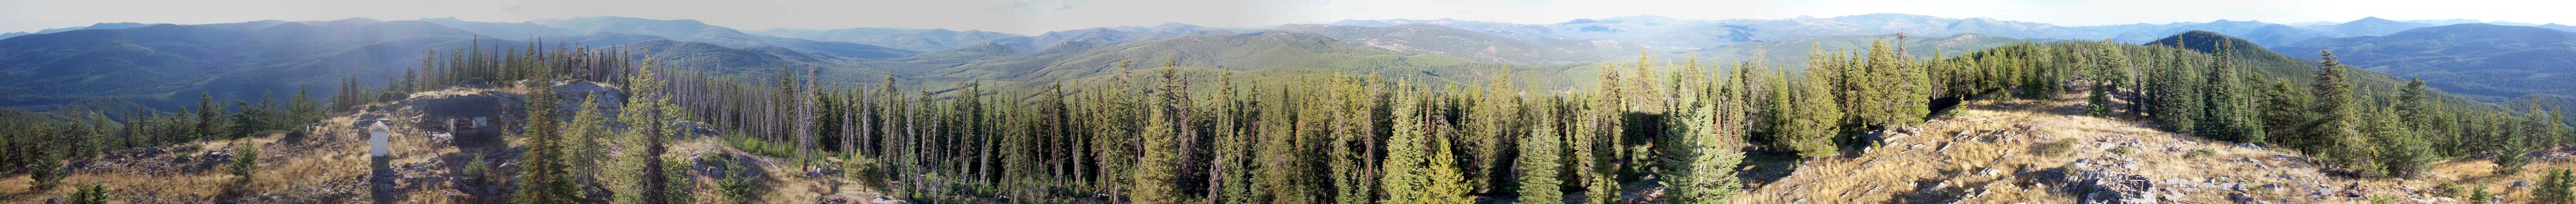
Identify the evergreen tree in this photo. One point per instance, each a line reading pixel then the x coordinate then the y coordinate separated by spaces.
pixel 206 113
pixel 245 163
pixel 1703 171
pixel 1539 160
pixel 1495 115
pixel 2338 104
pixel 2179 94
pixel 2285 114
pixel 1418 169
pixel 2401 153
pixel 1157 170
pixel 2554 189
pixel 1811 130
pixel 543 178
pixel 1600 126
pixel 2226 112
pixel 46 164
pixel 584 139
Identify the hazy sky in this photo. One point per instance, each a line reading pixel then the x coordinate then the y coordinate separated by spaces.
pixel 1038 16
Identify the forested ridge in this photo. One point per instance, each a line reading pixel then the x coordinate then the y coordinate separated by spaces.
pixel 1169 134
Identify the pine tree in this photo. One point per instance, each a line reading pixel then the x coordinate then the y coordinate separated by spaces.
pixel 2285 114
pixel 1419 167
pixel 2338 103
pixel 543 178
pixel 1705 156
pixel 1601 126
pixel 1406 153
pixel 2554 189
pixel 1495 116
pixel 2226 101
pixel 1234 148
pixel 645 116
pixel 2504 137
pixel 46 166
pixel 1157 171
pixel 584 135
pixel 2180 107
pixel 2401 153
pixel 1442 181
pixel 246 162
pixel 1811 129
pixel 206 114
pixel 1539 160
pixel 2105 79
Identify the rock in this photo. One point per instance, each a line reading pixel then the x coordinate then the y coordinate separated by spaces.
pixel 2240 198
pixel 2122 189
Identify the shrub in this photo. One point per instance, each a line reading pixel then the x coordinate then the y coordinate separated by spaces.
pixel 864 170
pixel 2057 148
pixel 2120 150
pixel 2447 190
pixel 475 169
pixel 2199 153
pixel 245 161
pixel 2479 195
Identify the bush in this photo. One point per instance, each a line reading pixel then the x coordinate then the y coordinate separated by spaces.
pixel 864 170
pixel 2199 153
pixel 2447 190
pixel 2057 148
pixel 2120 150
pixel 475 169
pixel 2479 195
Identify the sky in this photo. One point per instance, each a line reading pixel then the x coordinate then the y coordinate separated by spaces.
pixel 1039 16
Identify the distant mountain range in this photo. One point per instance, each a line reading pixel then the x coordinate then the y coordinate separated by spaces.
pixel 163 65
pixel 2490 62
